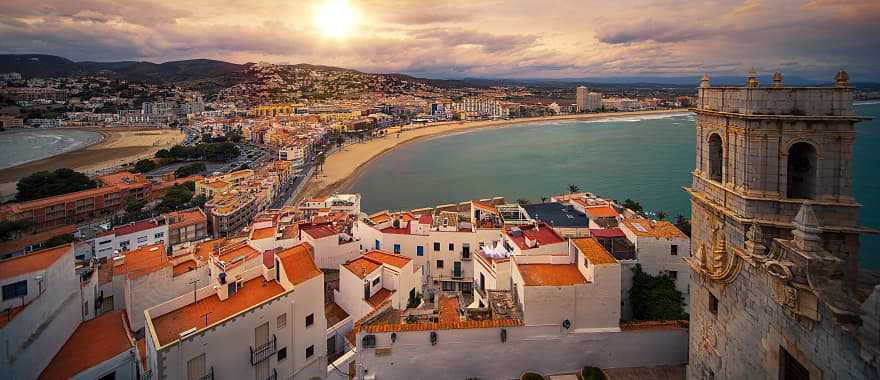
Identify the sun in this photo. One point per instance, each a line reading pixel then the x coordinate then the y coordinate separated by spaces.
pixel 336 18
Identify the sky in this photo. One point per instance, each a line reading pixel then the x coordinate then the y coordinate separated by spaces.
pixel 471 38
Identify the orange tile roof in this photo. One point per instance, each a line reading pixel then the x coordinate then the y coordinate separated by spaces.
pixel 600 211
pixel 145 260
pixel 231 252
pixel 184 267
pixel 594 251
pixel 379 297
pixel 59 199
pixel 380 217
pixel 362 266
pixel 319 231
pixel 207 248
pixel 299 264
pixel 551 274
pixel 185 217
pixel 263 233
pixel 394 260
pixel 34 261
pixel 93 342
pixel 122 178
pixel 662 229
pixel 169 326
pixel 491 323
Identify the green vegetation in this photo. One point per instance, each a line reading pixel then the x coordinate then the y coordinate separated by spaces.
pixel 144 166
pixel 592 373
pixel 661 215
pixel 164 153
pixel 632 205
pixel 655 298
pixel 59 240
pixel 188 170
pixel 46 184
pixel 178 197
pixel 531 376
pixel 522 201
pixel 133 205
pixel 683 224
pixel 573 188
pixel 213 151
pixel 9 228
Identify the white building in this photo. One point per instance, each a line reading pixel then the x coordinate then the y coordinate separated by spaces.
pixel 296 154
pixel 253 321
pixel 367 282
pixel 586 100
pixel 131 236
pixel 46 328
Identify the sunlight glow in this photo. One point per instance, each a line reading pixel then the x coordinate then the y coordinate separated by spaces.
pixel 336 18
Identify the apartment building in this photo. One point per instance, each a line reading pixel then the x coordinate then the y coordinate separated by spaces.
pixel 80 206
pixel 263 321
pixel 347 203
pixel 186 226
pixel 47 328
pixel 130 236
pixel 211 186
pixel 229 213
pixel 377 277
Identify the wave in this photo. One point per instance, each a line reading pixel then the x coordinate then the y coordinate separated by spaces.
pixel 866 102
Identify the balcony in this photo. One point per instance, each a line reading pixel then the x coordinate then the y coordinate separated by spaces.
pixel 264 351
pixel 457 274
pixel 273 376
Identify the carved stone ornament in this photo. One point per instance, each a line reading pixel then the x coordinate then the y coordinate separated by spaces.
pixel 709 340
pixel 755 252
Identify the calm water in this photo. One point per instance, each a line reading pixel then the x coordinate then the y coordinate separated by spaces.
pixel 647 159
pixel 18 147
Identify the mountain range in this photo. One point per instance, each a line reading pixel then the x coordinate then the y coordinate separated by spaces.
pixel 42 65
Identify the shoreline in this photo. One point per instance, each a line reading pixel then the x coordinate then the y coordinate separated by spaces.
pixel 343 167
pixel 117 146
pixel 103 136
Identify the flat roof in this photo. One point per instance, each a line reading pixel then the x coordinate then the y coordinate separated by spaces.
pixel 334 314
pixel 92 343
pixel 33 261
pixel 145 260
pixel 377 299
pixel 397 261
pixel 653 228
pixel 551 274
pixel 211 309
pixel 557 214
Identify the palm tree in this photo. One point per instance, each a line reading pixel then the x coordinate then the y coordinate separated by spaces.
pixel 522 201
pixel 573 189
pixel 661 215
pixel 544 199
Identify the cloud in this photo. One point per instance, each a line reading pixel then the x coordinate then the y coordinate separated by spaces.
pixel 456 38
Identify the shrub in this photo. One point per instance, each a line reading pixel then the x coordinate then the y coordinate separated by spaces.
pixel 655 298
pixel 592 373
pixel 46 184
pixel 531 376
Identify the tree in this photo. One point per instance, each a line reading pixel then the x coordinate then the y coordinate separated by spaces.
pixel 9 228
pixel 573 188
pixel 198 201
pixel 176 198
pixel 46 184
pixel 655 298
pixel 683 224
pixel 661 215
pixel 188 170
pixel 163 153
pixel 522 201
pixel 59 240
pixel 544 199
pixel 133 205
pixel 144 166
pixel 632 205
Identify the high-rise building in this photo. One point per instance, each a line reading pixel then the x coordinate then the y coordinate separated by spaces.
pixel 587 101
pixel 775 288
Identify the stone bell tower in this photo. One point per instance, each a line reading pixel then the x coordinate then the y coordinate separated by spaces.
pixel 775 290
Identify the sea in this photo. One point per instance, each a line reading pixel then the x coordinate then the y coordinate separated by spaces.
pixel 23 146
pixel 645 158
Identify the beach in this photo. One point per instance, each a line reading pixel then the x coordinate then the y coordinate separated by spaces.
pixel 118 146
pixel 342 167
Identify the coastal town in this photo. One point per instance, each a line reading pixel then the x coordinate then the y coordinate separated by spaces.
pixel 463 190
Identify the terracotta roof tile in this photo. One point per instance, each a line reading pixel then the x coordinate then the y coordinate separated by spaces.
pixel 263 233
pixel 299 264
pixel 379 297
pixel 34 261
pixel 551 274
pixel 92 343
pixel 660 229
pixel 362 266
pixel 600 211
pixel 398 261
pixel 594 251
pixel 145 260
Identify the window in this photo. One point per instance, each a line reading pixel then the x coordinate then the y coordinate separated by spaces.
pixel 310 320
pixel 451 246
pixel 465 251
pixel 716 158
pixel 713 304
pixel 397 248
pixel 310 351
pixel 420 251
pixel 439 264
pixel 673 250
pixel 331 345
pixel 378 244
pixel 790 368
pixel 282 354
pixel 801 171
pixel 436 246
pixel 159 235
pixel 14 290
pixel 281 321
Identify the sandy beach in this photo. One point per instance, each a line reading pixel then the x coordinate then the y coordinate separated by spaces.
pixel 119 145
pixel 343 166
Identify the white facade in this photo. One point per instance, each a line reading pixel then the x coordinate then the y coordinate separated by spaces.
pixel 130 237
pixel 662 254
